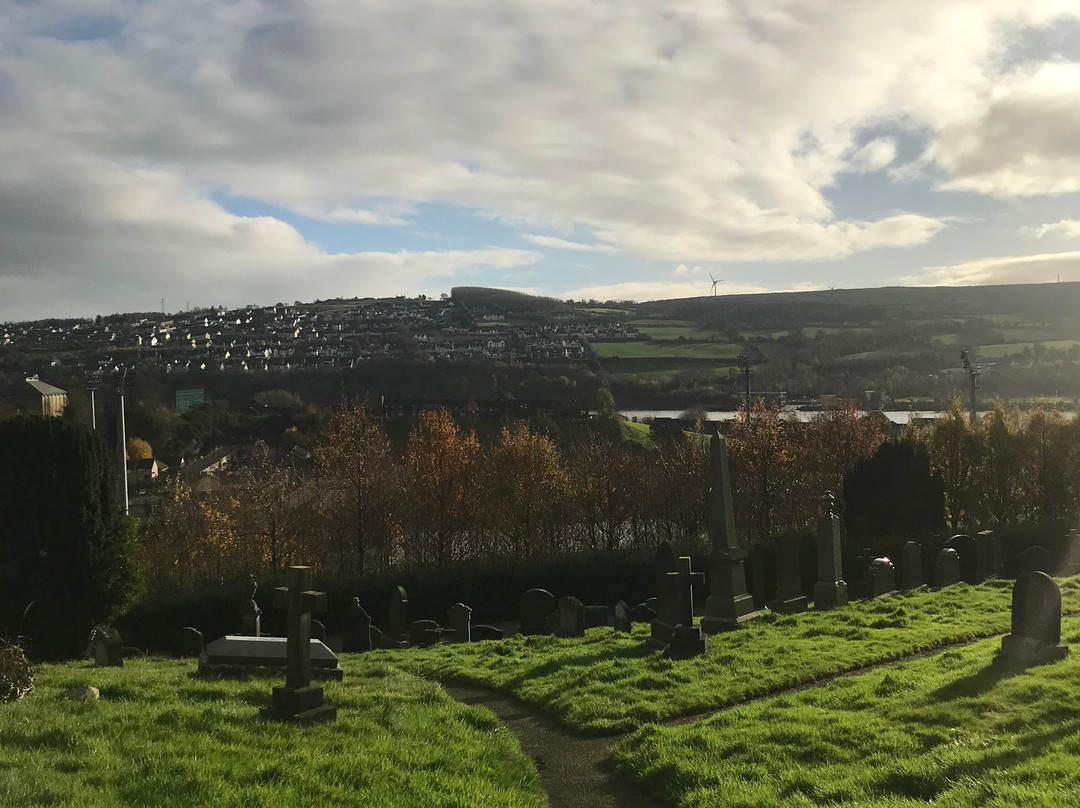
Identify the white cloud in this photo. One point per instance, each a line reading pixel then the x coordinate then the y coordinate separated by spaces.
pixel 1066 228
pixel 563 244
pixel 1042 268
pixel 653 290
pixel 875 155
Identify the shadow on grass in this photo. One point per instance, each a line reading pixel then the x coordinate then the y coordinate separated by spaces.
pixel 586 660
pixel 975 684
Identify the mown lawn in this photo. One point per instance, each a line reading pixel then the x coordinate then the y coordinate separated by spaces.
pixel 673 350
pixel 158 737
pixel 947 730
pixel 611 682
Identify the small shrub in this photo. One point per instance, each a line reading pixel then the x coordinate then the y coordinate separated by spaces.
pixel 16 673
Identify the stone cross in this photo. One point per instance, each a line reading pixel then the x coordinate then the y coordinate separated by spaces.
pixel 682 589
pixel 299 602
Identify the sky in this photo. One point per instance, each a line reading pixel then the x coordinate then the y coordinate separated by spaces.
pixel 178 153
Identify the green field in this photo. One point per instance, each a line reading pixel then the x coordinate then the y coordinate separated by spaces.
pixel 676 350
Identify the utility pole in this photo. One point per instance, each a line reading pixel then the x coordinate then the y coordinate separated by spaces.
pixel 121 439
pixel 93 384
pixel 973 372
pixel 746 364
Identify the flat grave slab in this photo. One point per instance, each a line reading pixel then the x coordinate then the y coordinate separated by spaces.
pixel 234 656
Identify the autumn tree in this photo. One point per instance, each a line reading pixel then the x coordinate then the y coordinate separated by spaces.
pixel 763 452
pixel 1047 489
pixel 955 456
pixel 835 439
pixel 999 472
pixel 139 449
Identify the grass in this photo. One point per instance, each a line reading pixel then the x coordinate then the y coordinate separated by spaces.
pixel 610 682
pixel 157 737
pixel 652 350
pixel 947 730
pixel 1003 350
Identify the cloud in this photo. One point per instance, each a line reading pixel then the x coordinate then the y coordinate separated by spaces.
pixel 563 244
pixel 1066 228
pixel 1042 268
pixel 652 290
pixel 875 155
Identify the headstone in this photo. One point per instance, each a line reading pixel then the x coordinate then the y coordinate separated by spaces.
pixel 1035 559
pixel 990 542
pixel 108 648
pixel 356 629
pixel 250 613
pixel 551 622
pixel 881 578
pixel 236 656
pixel 397 620
pixel 685 642
pixel 676 605
pixel 378 639
pixel 459 616
pixel 729 604
pixel 910 572
pixel 623 621
pixel 186 642
pixel 424 632
pixel 318 630
pixel 789 596
pixel 482 632
pixel 1036 623
pixel 831 589
pixel 1070 557
pixel 298 701
pixel 596 616
pixel 947 567
pixel 974 557
pixel 536 605
pixel 571 617
pixel 642 613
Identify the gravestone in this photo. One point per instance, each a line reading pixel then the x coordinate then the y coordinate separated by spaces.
pixel 881 578
pixel 1035 559
pixel 298 701
pixel 685 642
pixel 1035 638
pixel 378 639
pixel 789 597
pixel 459 616
pixel 990 542
pixel 831 589
pixel 910 572
pixel 642 613
pixel 424 632
pixel 947 567
pixel 250 613
pixel 482 632
pixel 356 629
pixel 571 617
pixel 676 606
pixel 318 630
pixel 596 616
pixel 108 648
pixel 186 642
pixel 622 620
pixel 974 555
pixel 729 604
pixel 397 619
pixel 1069 563
pixel 536 605
pixel 236 656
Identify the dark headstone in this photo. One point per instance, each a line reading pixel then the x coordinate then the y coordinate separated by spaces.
pixel 318 630
pixel 356 629
pixel 623 621
pixel 974 556
pixel 676 602
pixel 596 616
pixel 186 642
pixel 910 572
pixel 298 701
pixel 947 567
pixel 831 588
pixel 551 623
pixel 1036 623
pixel 250 614
pixel 1070 557
pixel 990 542
pixel 1035 559
pixel 536 605
pixel 571 617
pixel 881 578
pixel 642 613
pixel 397 617
pixel 459 616
pixel 378 639
pixel 789 597
pixel 482 632
pixel 424 632
pixel 108 648
pixel 685 642
pixel 729 604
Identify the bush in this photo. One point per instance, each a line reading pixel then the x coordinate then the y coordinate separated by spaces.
pixel 16 673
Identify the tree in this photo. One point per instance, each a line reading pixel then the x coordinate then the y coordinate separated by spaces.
pixel 70 555
pixel 763 454
pixel 999 474
pixel 138 449
pixel 893 493
pixel 954 453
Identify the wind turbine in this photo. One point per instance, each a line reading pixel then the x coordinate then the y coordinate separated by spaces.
pixel 714 282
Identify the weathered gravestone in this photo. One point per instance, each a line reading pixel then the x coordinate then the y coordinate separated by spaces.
pixel 673 629
pixel 108 648
pixel 947 567
pixel 1070 557
pixel 880 578
pixel 424 632
pixel 298 701
pixel 789 596
pixel 831 588
pixel 1035 638
pixel 622 620
pixel 250 614
pixel 318 630
pixel 596 616
pixel 975 557
pixel 1035 559
pixel 356 629
pixel 482 632
pixel 910 572
pixel 536 605
pixel 644 612
pixel 571 617
pixel 186 642
pixel 729 604
pixel 990 541
pixel 397 619
pixel 459 616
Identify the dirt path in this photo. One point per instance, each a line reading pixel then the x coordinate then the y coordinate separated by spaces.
pixel 575 770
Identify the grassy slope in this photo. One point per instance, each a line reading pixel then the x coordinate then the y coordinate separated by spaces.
pixel 673 350
pixel 160 738
pixel 948 730
pixel 608 682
